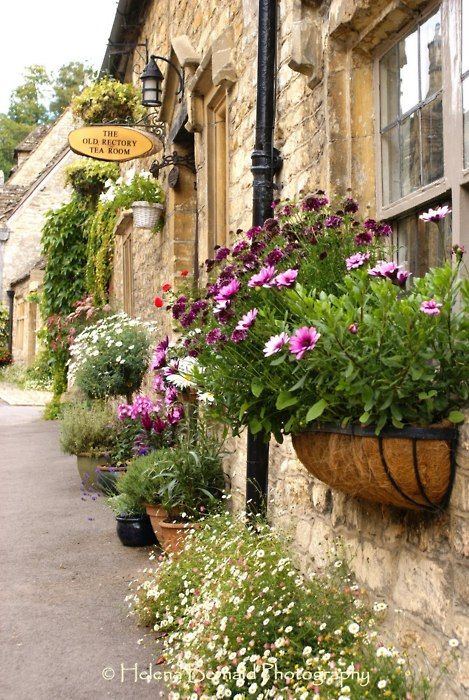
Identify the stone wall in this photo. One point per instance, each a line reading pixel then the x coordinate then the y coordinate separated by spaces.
pixel 325 131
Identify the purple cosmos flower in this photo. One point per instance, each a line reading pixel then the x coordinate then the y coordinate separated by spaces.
pixel 274 256
pixel 214 336
pixel 179 307
pixel 188 319
pixel 431 307
pixel 383 230
pixel 221 254
pixel 258 246
pixel 333 221
pixel 263 278
pixel 271 225
pixel 285 279
pixel 391 271
pixel 353 328
pixel 254 231
pixel 356 260
pixel 275 344
pixel 223 297
pixel 314 203
pixel 363 238
pixel 303 340
pixel 250 261
pixel 370 224
pixel 239 247
pixel 239 334
pixel 435 214
pixel 247 320
pixel 402 277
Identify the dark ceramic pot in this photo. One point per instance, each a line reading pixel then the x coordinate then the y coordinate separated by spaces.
pixel 135 531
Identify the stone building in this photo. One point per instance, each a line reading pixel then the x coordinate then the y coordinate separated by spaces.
pixel 369 96
pixel 37 184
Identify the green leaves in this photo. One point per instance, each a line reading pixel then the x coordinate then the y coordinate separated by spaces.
pixel 456 417
pixel 257 387
pixel 316 410
pixel 284 400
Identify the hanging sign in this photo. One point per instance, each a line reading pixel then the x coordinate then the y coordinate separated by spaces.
pixel 117 143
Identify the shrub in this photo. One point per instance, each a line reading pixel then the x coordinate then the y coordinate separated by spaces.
pixel 238 620
pixel 110 358
pixel 88 177
pixel 88 428
pixel 137 486
pixel 107 100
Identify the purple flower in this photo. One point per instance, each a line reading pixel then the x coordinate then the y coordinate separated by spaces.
pixel 274 256
pixel 175 414
pixel 263 278
pixel 239 334
pixel 370 224
pixel 271 225
pixel 353 328
pixel 303 340
pixel 223 297
pixel 356 260
pixel 286 210
pixel 159 425
pixel 402 277
pixel 350 205
pixel 285 279
pixel 179 307
pixel 435 214
pixel 214 336
pixel 314 203
pixel 222 253
pixel 258 246
pixel 124 411
pixel 247 320
pixel 254 231
pixel 383 230
pixel 158 383
pixel 363 238
pixel 431 307
pixel 391 271
pixel 239 247
pixel 250 261
pixel 171 395
pixel 333 221
pixel 275 344
pixel 188 319
pixel 223 315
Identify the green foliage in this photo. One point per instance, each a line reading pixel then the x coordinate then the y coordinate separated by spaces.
pixel 111 357
pixel 100 248
pixel 233 605
pixel 27 101
pixel 68 82
pixel 138 485
pixel 88 177
pixel 4 318
pixel 11 134
pixel 106 100
pixel 88 428
pixel 37 376
pixel 124 505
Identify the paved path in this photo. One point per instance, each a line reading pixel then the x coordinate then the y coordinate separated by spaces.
pixel 13 395
pixel 63 577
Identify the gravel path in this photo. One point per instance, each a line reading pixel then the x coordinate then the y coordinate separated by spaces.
pixel 64 577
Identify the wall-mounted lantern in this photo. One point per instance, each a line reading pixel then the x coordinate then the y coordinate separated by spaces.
pixel 152 82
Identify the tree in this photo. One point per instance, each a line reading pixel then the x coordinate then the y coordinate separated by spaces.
pixel 11 133
pixel 27 100
pixel 69 81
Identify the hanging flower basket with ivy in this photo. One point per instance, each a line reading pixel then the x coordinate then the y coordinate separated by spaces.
pixel 147 214
pixel 310 329
pixel 108 100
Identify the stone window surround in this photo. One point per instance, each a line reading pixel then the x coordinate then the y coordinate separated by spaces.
pixel 452 184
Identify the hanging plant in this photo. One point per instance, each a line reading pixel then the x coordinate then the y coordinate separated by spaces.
pixel 89 177
pixel 108 100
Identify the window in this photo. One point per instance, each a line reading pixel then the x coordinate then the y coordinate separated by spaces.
pixel 412 111
pixel 422 99
pixel 217 168
pixel 127 275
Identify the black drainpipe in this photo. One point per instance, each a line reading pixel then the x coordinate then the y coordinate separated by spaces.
pixel 11 297
pixel 263 168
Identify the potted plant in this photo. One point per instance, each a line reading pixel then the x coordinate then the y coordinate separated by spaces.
pixel 108 100
pixel 312 330
pixel 132 523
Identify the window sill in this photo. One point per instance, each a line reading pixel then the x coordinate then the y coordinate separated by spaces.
pixel 416 199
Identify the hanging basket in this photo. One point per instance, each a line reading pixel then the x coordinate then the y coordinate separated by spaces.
pixel 410 468
pixel 147 214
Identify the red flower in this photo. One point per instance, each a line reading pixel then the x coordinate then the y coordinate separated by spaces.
pixel 158 302
pixel 184 273
pixel 166 287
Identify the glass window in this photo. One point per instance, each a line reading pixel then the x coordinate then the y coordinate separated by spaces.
pixel 411 111
pixel 421 245
pixel 465 77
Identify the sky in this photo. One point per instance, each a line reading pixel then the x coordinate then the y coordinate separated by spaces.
pixel 50 33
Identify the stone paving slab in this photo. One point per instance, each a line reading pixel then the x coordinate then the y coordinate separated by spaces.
pixel 63 577
pixel 14 396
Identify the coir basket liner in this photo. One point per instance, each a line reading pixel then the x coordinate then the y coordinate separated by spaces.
pixel 410 468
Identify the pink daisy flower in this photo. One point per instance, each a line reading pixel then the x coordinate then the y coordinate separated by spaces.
pixel 285 279
pixel 431 307
pixel 275 344
pixel 247 320
pixel 263 278
pixel 303 340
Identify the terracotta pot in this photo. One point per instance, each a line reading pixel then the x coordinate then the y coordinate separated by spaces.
pixel 157 515
pixel 410 468
pixel 173 535
pixel 86 465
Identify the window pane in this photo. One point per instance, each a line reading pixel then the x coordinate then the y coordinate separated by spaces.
pixel 422 245
pixel 465 35
pixel 403 241
pixel 389 86
pixel 390 165
pixel 409 73
pixel 410 154
pixel 430 56
pixel 432 141
pixel 465 103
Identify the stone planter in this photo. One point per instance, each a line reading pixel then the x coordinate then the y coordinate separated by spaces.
pixel 147 214
pixel 410 468
pixel 107 477
pixel 157 514
pixel 173 535
pixel 87 465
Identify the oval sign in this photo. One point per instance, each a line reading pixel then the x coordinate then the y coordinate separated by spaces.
pixel 109 142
